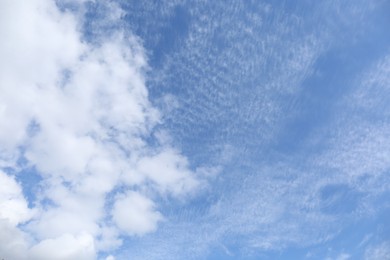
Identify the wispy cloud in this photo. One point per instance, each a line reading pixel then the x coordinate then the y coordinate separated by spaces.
pixel 379 251
pixel 358 139
pixel 241 77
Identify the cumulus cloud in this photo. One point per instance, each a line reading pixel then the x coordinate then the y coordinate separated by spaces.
pixel 135 214
pixel 13 242
pixel 13 212
pixel 38 41
pixel 169 171
pixel 65 247
pixel 78 113
pixel 13 206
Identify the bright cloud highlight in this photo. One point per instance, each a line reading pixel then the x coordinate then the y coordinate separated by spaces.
pixel 78 115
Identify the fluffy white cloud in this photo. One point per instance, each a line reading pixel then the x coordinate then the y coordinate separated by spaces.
pixel 13 206
pixel 81 113
pixel 38 41
pixel 13 242
pixel 13 211
pixel 65 247
pixel 169 171
pixel 135 214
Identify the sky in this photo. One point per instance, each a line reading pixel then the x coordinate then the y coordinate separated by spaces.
pixel 194 129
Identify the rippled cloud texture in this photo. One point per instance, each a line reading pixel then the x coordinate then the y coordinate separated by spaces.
pixel 194 130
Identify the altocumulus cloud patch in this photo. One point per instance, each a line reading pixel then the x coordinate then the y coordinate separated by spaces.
pixel 194 130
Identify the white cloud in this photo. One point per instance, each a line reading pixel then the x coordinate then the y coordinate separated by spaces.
pixel 108 239
pixel 80 112
pixel 13 206
pixel 13 242
pixel 13 211
pixel 135 214
pixel 30 60
pixel 65 247
pixel 169 170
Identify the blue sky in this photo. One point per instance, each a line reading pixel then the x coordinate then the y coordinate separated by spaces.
pixel 194 130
